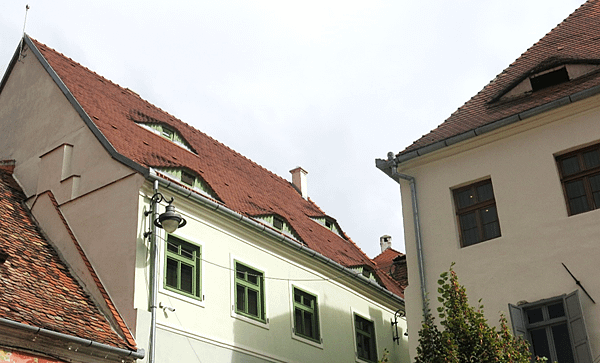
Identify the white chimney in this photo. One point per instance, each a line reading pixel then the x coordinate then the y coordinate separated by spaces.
pixel 385 242
pixel 299 181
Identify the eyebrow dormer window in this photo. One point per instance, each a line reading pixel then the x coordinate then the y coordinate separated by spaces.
pixel 548 79
pixel 168 133
pixel 188 178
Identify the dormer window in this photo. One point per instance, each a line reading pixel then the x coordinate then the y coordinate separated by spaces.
pixel 190 179
pixel 549 78
pixel 328 223
pixel 280 224
pixel 531 83
pixel 168 133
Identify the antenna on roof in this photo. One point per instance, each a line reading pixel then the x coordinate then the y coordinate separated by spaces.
pixel 21 56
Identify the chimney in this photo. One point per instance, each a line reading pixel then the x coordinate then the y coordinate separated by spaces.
pixel 299 181
pixel 385 242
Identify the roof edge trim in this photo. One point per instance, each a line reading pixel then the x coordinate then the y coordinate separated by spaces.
pixel 79 109
pixel 137 354
pixel 259 227
pixel 383 165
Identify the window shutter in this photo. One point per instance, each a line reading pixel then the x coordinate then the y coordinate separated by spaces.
pixel 581 345
pixel 518 321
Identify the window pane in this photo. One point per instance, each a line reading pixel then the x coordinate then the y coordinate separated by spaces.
pixel 172 247
pixel 470 233
pixel 485 192
pixel 465 198
pixel 539 341
pixel 570 165
pixel 188 178
pixel 187 251
pixel 308 324
pixel 535 315
pixel 253 277
pixel 591 159
pixel 171 273
pixel 187 278
pixel 298 321
pixel 595 185
pixel 240 298
pixel 556 311
pixel 562 343
pixel 252 302
pixel 489 218
pixel 577 197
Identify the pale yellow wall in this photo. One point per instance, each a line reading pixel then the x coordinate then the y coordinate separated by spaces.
pixel 210 324
pixel 54 150
pixel 537 235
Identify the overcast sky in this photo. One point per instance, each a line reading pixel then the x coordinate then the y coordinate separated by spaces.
pixel 326 85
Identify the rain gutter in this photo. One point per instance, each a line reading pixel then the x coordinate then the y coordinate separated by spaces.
pixel 105 348
pixel 577 96
pixel 259 227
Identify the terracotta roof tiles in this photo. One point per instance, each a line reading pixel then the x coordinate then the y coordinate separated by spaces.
pixel 36 288
pixel 575 40
pixel 239 183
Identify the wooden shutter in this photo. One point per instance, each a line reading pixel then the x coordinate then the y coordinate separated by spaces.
pixel 581 345
pixel 517 319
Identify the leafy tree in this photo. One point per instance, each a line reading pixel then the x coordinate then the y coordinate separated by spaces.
pixel 465 335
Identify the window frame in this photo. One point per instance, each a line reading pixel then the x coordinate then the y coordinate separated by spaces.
pixel 317 339
pixel 573 318
pixel 475 208
pixel 197 283
pixel 373 335
pixel 262 319
pixel 584 174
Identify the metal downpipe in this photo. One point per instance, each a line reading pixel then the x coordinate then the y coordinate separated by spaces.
pixel 418 240
pixel 154 278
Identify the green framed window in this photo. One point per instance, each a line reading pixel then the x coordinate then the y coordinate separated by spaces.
pixel 306 315
pixel 249 292
pixel 182 267
pixel 366 348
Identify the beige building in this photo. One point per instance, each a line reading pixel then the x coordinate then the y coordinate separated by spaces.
pixel 259 273
pixel 508 188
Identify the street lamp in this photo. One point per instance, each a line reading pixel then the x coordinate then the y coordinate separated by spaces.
pixel 169 221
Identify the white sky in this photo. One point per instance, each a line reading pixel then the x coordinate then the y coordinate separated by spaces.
pixel 326 85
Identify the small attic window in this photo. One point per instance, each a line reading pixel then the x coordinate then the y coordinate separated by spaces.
pixel 548 79
pixel 167 133
pixel 278 223
pixel 188 178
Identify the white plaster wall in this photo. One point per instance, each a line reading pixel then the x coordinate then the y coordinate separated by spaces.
pixel 537 234
pixel 217 335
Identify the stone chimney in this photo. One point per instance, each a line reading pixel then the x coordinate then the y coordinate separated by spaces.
pixel 385 242
pixel 299 181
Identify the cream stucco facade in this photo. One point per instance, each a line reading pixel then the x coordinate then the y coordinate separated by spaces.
pixel 524 264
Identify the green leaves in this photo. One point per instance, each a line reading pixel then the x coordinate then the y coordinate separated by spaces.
pixel 465 335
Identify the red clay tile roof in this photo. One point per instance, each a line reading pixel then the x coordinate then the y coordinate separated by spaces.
pixel 239 183
pixel 575 40
pixel 386 259
pixel 36 287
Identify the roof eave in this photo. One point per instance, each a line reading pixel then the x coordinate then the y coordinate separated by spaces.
pixel 386 165
pixel 85 344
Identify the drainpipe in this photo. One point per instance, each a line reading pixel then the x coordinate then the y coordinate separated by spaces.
pixel 154 278
pixel 420 262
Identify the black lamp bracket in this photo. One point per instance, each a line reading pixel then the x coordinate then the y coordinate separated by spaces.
pixel 398 314
pixel 156 198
